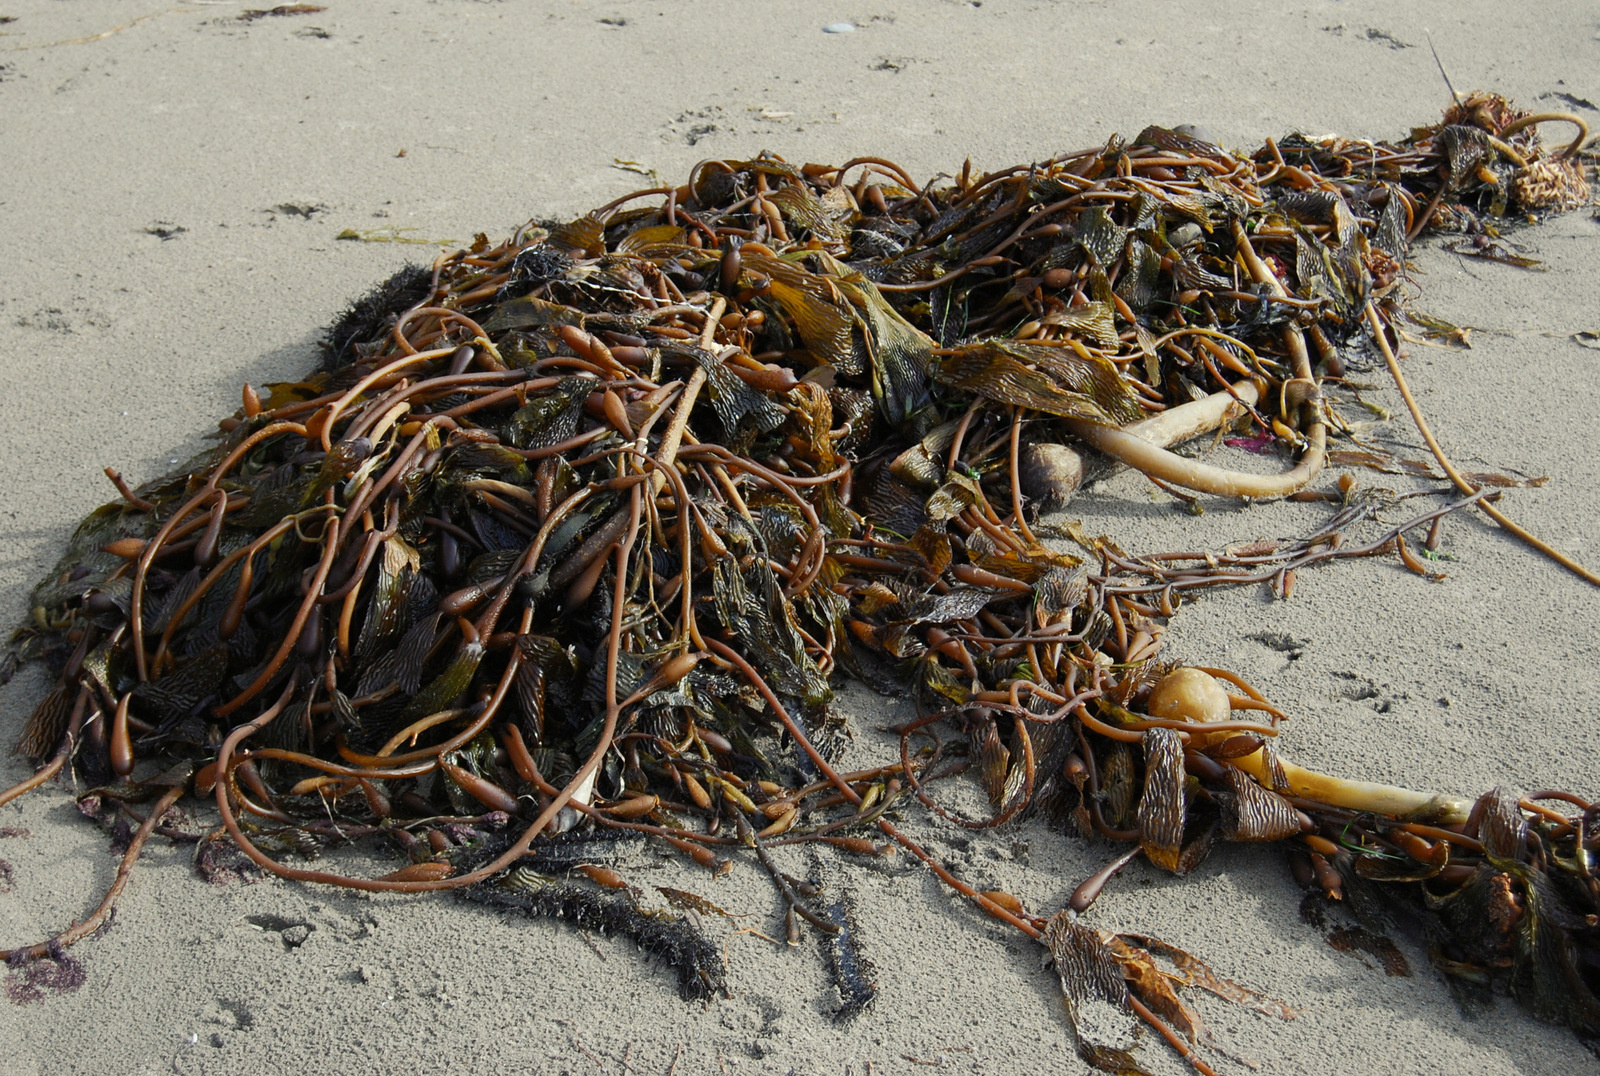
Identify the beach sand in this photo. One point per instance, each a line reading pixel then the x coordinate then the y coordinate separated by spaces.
pixel 172 180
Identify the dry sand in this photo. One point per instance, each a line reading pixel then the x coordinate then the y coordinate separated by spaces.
pixel 171 182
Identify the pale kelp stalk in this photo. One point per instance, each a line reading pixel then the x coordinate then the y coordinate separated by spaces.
pixel 572 532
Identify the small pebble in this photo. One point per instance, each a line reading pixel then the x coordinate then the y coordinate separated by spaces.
pixel 839 28
pixel 296 936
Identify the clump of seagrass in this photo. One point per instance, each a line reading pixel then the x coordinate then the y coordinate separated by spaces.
pixel 573 531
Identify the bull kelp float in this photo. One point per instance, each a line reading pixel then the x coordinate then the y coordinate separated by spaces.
pixel 570 535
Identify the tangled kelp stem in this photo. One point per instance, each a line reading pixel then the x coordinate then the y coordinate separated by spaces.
pixel 573 531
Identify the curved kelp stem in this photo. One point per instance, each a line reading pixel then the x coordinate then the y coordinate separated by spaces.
pixel 1379 334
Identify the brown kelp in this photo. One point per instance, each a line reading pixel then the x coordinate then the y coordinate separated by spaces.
pixel 571 533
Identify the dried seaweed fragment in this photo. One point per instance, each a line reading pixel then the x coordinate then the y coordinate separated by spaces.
pixel 373 314
pixel 853 974
pixel 670 939
pixel 33 980
pixel 281 10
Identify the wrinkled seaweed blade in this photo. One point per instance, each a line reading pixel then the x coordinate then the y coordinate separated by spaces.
pixel 1251 813
pixel 104 525
pixel 1030 566
pixel 1102 237
pixel 1190 273
pixel 1465 148
pixel 995 372
pixel 1140 282
pixel 961 603
pixel 1202 975
pixel 801 676
pixel 586 235
pixel 994 761
pixel 1163 806
pixel 741 409
pixel 1060 591
pixel 800 207
pixel 47 723
pixel 1152 986
pixel 1335 275
pixel 812 409
pixel 337 465
pixel 1227 197
pixel 889 506
pixel 551 417
pixel 447 686
pixel 643 240
pixel 382 622
pixel 821 314
pixel 1144 213
pixel 530 695
pixel 1118 781
pixel 898 351
pixel 752 606
pixel 1197 209
pixel 1307 207
pixel 1504 829
pixel 1546 976
pixel 531 313
pixel 403 665
pixel 156 617
pixel 1094 993
pixel 950 500
pixel 1093 320
pixel 1477 914
pixel 179 693
pixel 1076 368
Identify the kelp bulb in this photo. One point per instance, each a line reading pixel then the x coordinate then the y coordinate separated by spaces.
pixel 1189 694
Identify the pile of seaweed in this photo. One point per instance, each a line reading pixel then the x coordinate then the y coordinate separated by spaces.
pixel 572 533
